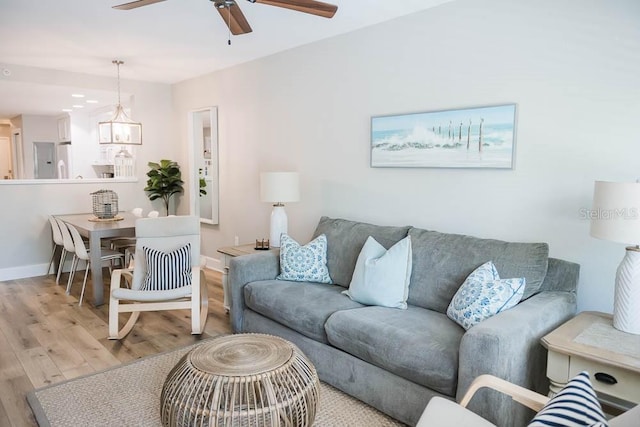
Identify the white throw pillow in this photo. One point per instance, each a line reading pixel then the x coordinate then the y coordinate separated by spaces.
pixel 574 406
pixel 306 263
pixel 381 276
pixel 482 295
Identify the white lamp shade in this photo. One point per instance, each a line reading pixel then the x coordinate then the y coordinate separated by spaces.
pixel 616 212
pixel 279 187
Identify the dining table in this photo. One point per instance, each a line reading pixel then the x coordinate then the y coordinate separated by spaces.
pixel 95 230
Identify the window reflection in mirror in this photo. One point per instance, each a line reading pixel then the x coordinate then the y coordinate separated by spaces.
pixel 204 137
pixel 39 140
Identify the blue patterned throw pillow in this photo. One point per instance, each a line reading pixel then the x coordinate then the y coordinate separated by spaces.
pixel 306 263
pixel 575 405
pixel 482 295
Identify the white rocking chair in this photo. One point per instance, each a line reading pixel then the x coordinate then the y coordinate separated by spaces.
pixel 164 234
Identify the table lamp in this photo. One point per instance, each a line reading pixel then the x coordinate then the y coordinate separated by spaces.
pixel 279 188
pixel 616 217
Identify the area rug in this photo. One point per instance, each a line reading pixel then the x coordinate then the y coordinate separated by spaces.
pixel 129 395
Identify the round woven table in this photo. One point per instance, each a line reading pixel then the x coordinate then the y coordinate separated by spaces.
pixel 241 380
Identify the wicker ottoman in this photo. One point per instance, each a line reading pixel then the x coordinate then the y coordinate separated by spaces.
pixel 241 380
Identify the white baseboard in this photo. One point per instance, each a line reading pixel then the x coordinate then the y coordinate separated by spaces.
pixel 34 270
pixel 24 271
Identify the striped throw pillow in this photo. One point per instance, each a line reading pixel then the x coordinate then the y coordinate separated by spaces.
pixel 575 405
pixel 167 270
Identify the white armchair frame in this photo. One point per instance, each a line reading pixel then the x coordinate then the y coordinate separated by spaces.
pixel 165 234
pixel 442 412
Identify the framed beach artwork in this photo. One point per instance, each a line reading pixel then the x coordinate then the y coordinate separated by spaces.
pixel 480 137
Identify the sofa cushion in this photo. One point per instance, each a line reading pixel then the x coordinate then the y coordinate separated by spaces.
pixel 441 263
pixel 303 307
pixel 345 240
pixel 417 344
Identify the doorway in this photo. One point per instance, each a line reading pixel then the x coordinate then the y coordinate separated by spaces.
pixel 5 158
pixel 44 160
pixel 17 154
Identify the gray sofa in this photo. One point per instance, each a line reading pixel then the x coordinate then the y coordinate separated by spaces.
pixel 396 360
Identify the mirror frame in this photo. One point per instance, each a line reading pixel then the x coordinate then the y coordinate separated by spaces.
pixel 197 163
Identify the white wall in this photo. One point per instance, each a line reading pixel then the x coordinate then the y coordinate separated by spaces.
pixel 24 230
pixel 571 66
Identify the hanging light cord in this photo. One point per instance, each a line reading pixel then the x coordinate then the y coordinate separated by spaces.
pixel 118 62
pixel 229 25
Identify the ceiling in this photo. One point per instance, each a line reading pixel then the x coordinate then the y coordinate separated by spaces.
pixel 48 100
pixel 170 41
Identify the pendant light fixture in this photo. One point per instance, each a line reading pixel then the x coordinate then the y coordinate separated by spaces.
pixel 120 129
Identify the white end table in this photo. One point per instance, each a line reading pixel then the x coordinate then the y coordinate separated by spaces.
pixel 589 342
pixel 229 252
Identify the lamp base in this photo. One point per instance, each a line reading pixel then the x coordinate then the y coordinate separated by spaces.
pixel 278 225
pixel 626 305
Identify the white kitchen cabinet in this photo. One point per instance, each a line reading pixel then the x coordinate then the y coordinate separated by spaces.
pixel 64 128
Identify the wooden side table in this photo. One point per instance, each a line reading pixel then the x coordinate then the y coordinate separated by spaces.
pixel 589 342
pixel 229 252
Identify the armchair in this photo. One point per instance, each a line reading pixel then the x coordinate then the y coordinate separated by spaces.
pixel 167 235
pixel 441 412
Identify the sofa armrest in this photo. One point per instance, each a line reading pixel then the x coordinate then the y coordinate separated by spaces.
pixel 246 269
pixel 508 346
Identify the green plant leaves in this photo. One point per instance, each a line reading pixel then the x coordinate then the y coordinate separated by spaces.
pixel 203 185
pixel 165 180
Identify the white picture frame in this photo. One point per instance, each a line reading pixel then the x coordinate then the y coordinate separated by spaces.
pixel 477 137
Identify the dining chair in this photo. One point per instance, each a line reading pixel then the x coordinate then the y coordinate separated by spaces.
pixel 56 236
pixel 122 243
pixel 167 274
pixel 126 245
pixel 67 246
pixel 81 253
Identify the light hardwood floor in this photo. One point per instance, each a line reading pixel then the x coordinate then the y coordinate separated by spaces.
pixel 45 337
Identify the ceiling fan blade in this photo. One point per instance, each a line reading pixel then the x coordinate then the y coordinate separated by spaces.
pixel 234 18
pixel 313 7
pixel 135 4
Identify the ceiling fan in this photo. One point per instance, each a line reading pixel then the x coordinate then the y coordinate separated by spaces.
pixel 234 18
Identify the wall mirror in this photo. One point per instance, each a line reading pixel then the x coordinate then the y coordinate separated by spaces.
pixel 203 130
pixel 50 131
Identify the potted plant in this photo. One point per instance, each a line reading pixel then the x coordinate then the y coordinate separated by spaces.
pixel 203 187
pixel 165 180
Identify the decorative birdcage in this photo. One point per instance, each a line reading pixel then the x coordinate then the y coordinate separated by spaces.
pixel 105 204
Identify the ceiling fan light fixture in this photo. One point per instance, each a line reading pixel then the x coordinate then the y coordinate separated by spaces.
pixel 120 129
pixel 235 19
pixel 223 4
